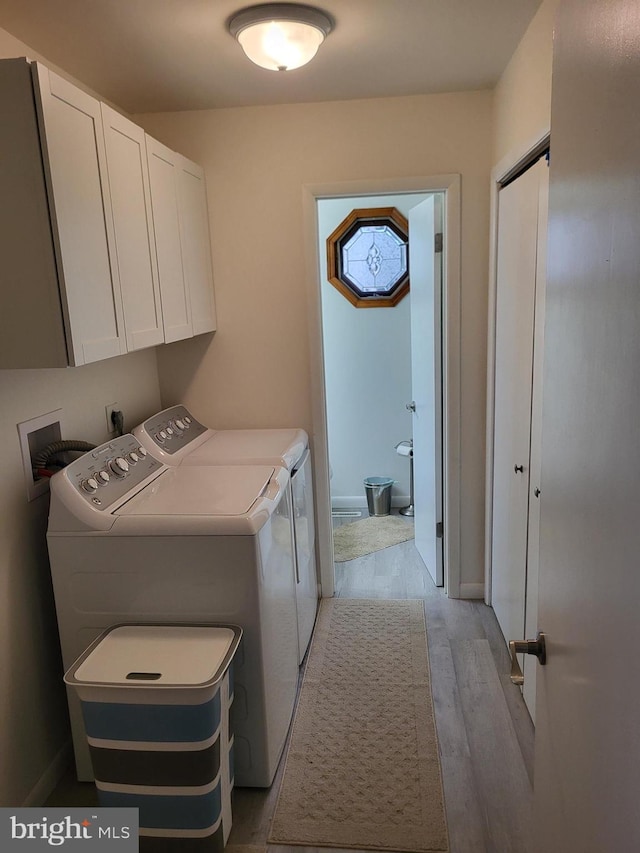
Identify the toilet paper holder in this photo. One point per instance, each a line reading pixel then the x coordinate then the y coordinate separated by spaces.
pixel 405 448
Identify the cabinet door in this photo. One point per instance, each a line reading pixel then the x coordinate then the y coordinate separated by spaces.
pixel 163 179
pixel 133 230
pixel 75 169
pixel 196 245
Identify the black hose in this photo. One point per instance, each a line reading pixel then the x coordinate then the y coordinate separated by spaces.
pixel 41 460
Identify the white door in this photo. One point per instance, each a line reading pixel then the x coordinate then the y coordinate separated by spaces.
pixel 133 228
pixel 587 762
pixel 517 253
pixel 425 276
pixel 529 664
pixel 76 172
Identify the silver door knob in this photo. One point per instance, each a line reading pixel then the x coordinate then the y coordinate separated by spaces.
pixel 535 647
pixel 411 406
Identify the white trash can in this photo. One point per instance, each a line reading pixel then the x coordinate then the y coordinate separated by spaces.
pixel 156 701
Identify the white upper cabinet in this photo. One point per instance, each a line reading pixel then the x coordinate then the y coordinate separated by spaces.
pixel 104 233
pixel 135 260
pixel 163 179
pixel 76 173
pixel 196 246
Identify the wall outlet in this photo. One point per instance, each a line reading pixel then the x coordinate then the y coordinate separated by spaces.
pixel 112 407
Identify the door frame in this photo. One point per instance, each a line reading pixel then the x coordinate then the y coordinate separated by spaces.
pixel 507 169
pixel 449 185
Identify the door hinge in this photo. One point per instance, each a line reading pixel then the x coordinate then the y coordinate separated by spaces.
pixel 438 243
pixel 439 530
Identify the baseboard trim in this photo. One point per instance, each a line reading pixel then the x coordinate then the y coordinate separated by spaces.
pixel 46 784
pixel 472 590
pixel 360 501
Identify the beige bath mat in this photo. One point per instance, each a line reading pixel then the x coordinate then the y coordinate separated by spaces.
pixel 368 535
pixel 363 769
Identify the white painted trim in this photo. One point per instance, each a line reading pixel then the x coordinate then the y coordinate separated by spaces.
pixel 450 186
pixel 45 785
pixel 514 159
pixel 472 590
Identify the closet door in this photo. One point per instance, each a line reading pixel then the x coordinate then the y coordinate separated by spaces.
pixel 515 314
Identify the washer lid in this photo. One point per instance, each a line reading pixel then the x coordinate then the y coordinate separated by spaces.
pixel 214 491
pixel 157 655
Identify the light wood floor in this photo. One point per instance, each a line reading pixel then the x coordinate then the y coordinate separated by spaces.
pixel 484 730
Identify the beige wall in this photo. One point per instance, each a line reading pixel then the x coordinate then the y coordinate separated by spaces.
pixel 522 97
pixel 255 370
pixel 33 724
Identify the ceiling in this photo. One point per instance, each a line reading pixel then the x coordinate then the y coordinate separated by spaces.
pixel 157 55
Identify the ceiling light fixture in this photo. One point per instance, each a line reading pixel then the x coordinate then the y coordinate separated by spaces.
pixel 280 36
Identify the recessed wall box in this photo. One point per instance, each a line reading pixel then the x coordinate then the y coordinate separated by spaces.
pixel 35 434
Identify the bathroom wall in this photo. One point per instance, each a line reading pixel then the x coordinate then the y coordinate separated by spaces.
pixel 34 730
pixel 367 358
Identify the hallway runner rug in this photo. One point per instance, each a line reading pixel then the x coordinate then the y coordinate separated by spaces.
pixel 368 535
pixel 363 770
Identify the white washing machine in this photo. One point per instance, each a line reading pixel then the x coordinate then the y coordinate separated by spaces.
pixel 176 437
pixel 133 540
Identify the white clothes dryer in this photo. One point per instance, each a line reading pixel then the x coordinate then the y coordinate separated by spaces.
pixel 176 437
pixel 133 540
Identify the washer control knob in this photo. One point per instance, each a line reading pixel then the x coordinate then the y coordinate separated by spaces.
pixel 133 457
pixel 89 485
pixel 141 451
pixel 159 438
pixel 119 466
pixel 163 434
pixel 169 430
pixel 179 425
pixel 103 477
pixel 187 420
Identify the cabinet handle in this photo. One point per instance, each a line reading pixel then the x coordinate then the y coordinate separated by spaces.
pixel 518 469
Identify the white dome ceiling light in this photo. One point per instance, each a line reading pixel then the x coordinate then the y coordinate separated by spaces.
pixel 280 36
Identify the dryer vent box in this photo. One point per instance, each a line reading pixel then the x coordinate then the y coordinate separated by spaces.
pixel 36 434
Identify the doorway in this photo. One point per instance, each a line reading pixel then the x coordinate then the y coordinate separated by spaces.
pixel 359 194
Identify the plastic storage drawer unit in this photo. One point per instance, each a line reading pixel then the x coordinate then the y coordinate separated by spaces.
pixel 155 701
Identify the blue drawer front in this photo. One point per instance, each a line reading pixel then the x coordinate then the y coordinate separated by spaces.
pixel 152 723
pixel 169 811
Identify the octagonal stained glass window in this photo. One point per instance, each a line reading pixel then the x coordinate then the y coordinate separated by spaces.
pixel 368 259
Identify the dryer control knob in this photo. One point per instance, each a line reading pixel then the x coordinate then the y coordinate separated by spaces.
pixel 119 466
pixel 179 425
pixel 102 477
pixel 141 451
pixel 163 434
pixel 169 430
pixel 133 457
pixel 159 438
pixel 90 485
pixel 187 420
